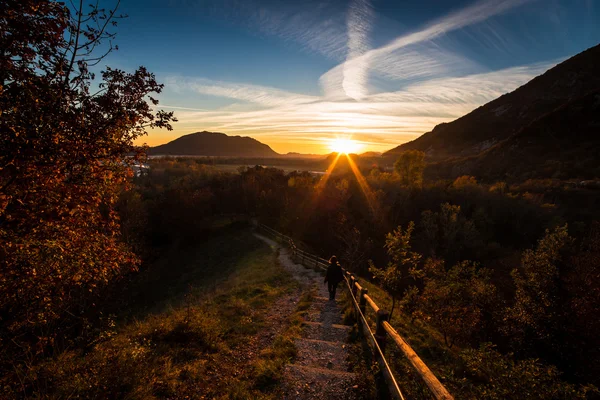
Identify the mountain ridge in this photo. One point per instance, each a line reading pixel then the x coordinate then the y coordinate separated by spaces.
pixel 214 144
pixel 501 118
pixel 541 149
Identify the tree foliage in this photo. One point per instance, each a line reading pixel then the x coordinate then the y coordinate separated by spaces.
pixel 404 262
pixel 503 377
pixel 355 248
pixel 410 166
pixel 455 300
pixel 582 308
pixel 410 302
pixel 66 147
pixel 536 312
pixel 447 233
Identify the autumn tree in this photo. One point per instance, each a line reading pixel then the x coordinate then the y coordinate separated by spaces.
pixel 354 246
pixel 582 306
pixel 447 233
pixel 535 314
pixel 410 302
pixel 403 263
pixel 501 376
pixel 410 167
pixel 66 147
pixel 454 300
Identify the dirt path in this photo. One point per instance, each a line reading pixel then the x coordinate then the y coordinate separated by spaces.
pixel 320 370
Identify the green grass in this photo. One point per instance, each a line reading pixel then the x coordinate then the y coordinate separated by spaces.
pixel 186 331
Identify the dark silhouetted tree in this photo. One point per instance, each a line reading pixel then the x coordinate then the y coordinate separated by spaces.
pixel 66 147
pixel 447 233
pixel 355 248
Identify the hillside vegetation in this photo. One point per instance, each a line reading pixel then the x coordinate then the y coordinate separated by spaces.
pixel 473 261
pixel 189 326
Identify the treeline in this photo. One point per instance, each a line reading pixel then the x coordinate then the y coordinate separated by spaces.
pixel 500 272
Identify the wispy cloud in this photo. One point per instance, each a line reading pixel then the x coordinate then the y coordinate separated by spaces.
pixel 317 26
pixel 181 108
pixel 359 20
pixel 472 90
pixel 356 73
pixel 262 95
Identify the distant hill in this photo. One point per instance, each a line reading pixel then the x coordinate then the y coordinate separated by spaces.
pixel 293 154
pixel 565 143
pixel 498 120
pixel 371 154
pixel 214 144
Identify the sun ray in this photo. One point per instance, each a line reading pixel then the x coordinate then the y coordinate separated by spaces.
pixel 323 181
pixel 320 186
pixel 364 186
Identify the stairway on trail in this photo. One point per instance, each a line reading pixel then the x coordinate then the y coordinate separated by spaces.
pixel 320 370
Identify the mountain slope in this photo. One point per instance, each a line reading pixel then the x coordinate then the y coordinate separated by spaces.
pixel 214 144
pixel 503 117
pixel 564 143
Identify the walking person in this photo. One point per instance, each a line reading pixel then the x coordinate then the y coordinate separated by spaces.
pixel 333 276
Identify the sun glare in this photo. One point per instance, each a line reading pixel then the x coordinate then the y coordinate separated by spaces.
pixel 344 146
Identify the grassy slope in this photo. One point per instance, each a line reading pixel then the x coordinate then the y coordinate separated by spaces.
pixel 189 331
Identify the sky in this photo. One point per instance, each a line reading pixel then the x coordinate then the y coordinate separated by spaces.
pixel 299 75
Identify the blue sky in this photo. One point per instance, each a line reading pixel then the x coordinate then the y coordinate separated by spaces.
pixel 298 74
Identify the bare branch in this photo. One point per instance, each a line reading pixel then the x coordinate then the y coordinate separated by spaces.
pixel 102 30
pixel 78 31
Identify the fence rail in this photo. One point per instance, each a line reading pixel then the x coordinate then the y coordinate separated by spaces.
pixel 378 339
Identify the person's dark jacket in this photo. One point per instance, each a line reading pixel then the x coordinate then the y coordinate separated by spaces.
pixel 334 273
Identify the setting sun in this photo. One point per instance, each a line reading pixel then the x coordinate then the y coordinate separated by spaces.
pixel 345 146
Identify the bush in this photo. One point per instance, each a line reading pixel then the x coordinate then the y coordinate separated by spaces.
pixel 502 377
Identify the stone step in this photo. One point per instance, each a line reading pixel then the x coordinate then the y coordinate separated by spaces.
pixel 321 354
pixel 318 383
pixel 327 332
pixel 324 312
pixel 324 299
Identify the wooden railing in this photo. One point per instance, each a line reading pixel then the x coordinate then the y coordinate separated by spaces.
pixel 383 329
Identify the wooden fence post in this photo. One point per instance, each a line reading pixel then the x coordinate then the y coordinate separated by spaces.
pixel 362 306
pixel 353 290
pixel 381 317
pixel 362 301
